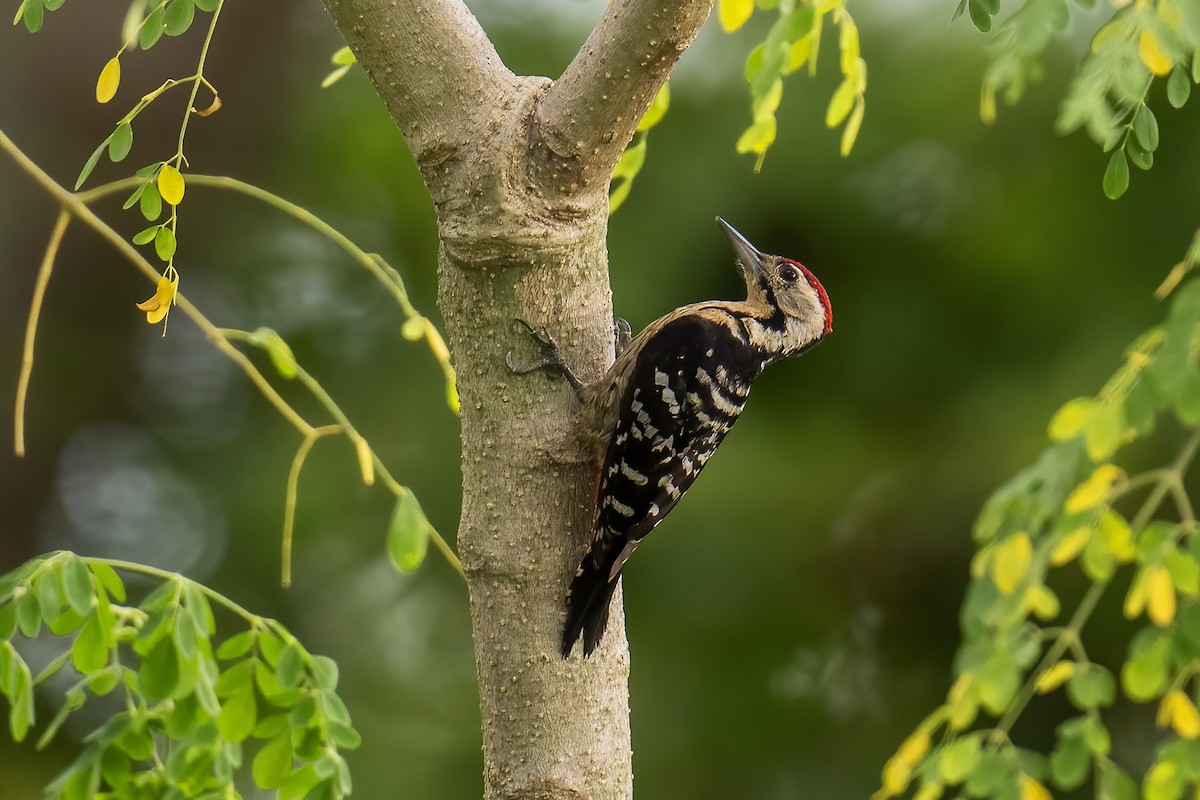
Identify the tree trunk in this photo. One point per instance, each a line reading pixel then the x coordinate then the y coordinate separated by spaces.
pixel 518 171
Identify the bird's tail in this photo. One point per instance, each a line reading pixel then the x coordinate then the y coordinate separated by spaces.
pixel 590 596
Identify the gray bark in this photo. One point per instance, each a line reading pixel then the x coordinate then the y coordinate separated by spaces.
pixel 518 170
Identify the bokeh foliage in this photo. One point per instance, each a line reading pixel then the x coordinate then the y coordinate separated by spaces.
pixel 869 454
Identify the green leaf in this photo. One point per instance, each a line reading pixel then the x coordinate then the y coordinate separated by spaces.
pixel 1140 157
pixel 152 29
pixel 631 161
pixel 102 683
pixel 48 671
pixel 199 608
pixel 270 725
pixel 67 622
pixel 1145 128
pixel 273 763
pixel 53 5
pixel 178 17
pixel 109 579
pixel 1070 764
pixel 48 589
pixel 33 15
pixel 1185 571
pixel 1179 87
pixel 1187 401
pixel 979 16
pixel 120 142
pixel 298 784
pixel 20 695
pixel 272 691
pixel 8 620
pixel 347 738
pixel 1091 686
pixel 324 672
pixel 959 760
pixel 1114 784
pixel 145 237
pixel 281 355
pixel 164 243
pixel 1144 675
pixel 290 667
pixel 237 645
pixel 159 674
pixel 77 584
pixel 208 6
pixel 1104 428
pixel 335 710
pixel 29 615
pixel 270 645
pixel 89 653
pixel 93 159
pixel 239 713
pixel 1116 177
pixel 150 203
pixel 408 534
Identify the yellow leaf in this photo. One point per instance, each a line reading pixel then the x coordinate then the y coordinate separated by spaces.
pixel 987 103
pixel 963 701
pixel 1116 532
pixel 914 748
pixel 798 55
pixel 769 103
pixel 840 104
pixel 1093 491
pixel 1160 596
pixel 1070 420
pixel 1178 710
pixel 1055 677
pixel 366 461
pixel 658 107
pixel 1032 790
pixel 850 134
pixel 1042 602
pixel 170 184
pixel 213 107
pixel 896 775
pixel 734 13
pixel 930 791
pixel 110 79
pixel 1010 561
pixel 1070 546
pixel 1135 598
pixel 848 44
pixel 1152 56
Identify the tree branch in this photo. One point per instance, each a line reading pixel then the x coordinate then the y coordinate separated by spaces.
pixel 432 65
pixel 592 111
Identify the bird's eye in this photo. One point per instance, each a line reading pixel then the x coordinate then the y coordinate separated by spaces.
pixel 788 273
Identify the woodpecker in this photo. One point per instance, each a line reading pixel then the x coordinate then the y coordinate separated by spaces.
pixel 668 400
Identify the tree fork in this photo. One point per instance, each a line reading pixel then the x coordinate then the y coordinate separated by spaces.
pixel 518 170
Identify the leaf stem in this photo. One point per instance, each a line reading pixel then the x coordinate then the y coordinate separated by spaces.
pixel 35 310
pixel 289 508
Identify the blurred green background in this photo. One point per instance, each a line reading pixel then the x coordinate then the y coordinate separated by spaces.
pixel 797 614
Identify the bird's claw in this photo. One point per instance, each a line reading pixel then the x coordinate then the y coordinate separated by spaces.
pixel 551 357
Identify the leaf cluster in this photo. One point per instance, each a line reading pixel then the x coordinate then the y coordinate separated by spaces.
pixel 1108 96
pixel 1070 509
pixel 191 707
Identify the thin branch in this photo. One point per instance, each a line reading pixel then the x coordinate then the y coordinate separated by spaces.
pixel 35 310
pixel 431 63
pixel 289 507
pixel 592 111
pixel 70 203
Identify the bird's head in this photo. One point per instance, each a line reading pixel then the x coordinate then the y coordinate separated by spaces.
pixel 786 287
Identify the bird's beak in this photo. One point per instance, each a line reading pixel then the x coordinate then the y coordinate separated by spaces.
pixel 752 261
